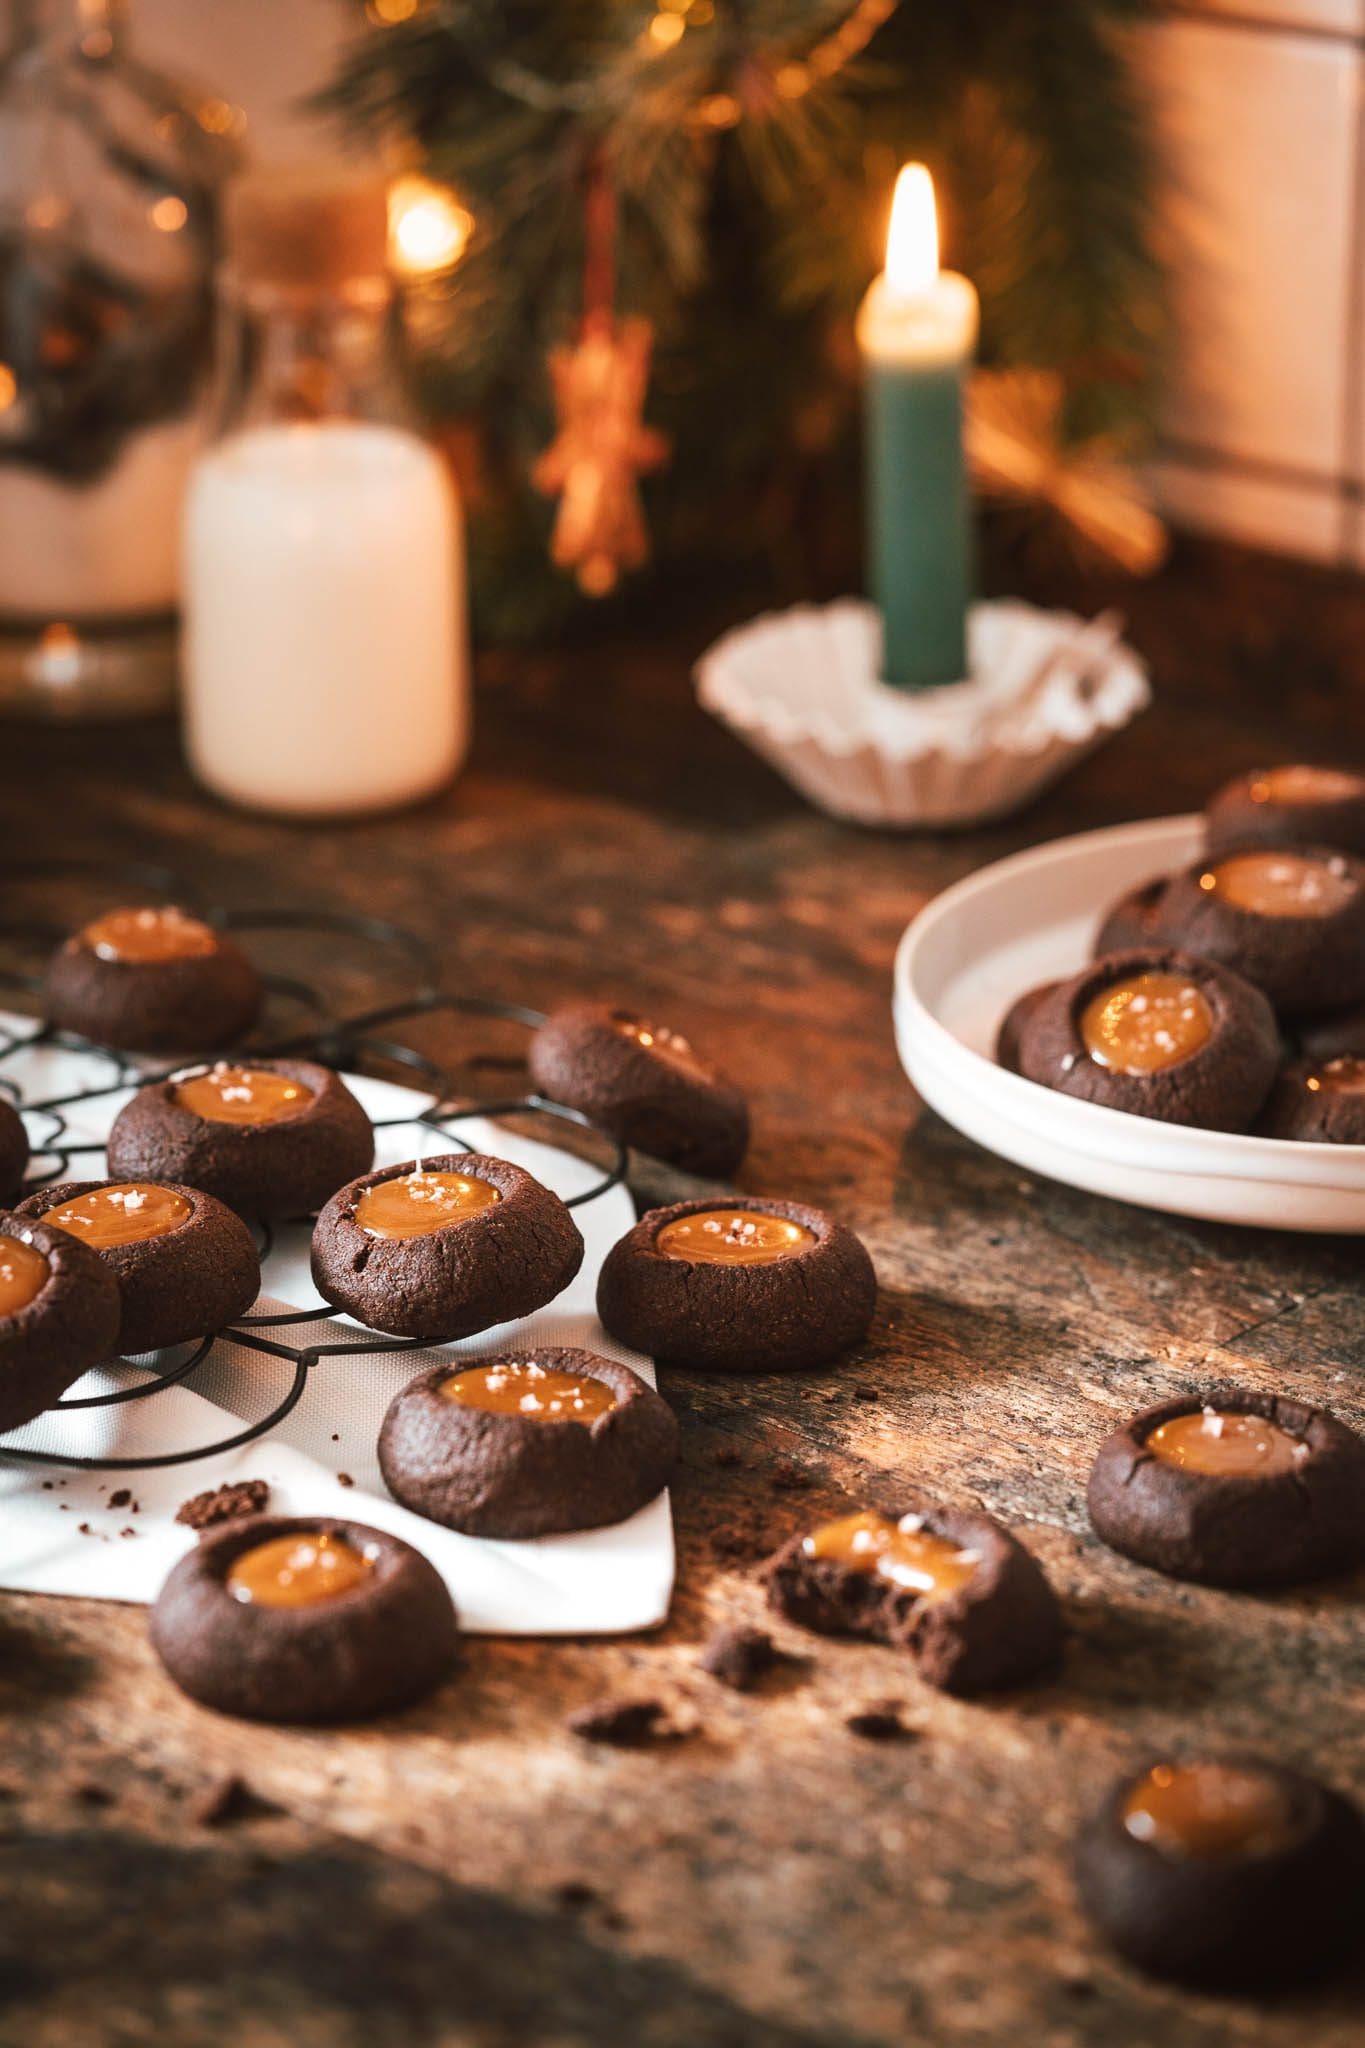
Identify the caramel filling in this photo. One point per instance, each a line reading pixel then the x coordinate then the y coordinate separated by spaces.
pixel 297 1571
pixel 525 1388
pixel 1344 1076
pixel 243 1095
pixel 1300 785
pixel 125 1214
pixel 733 1237
pixel 905 1552
pixel 1226 1444
pixel 1209 1810
pixel 655 1038
pixel 416 1204
pixel 145 938
pixel 23 1274
pixel 1146 1024
pixel 1280 884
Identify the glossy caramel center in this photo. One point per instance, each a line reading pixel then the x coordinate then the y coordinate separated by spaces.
pixel 1302 785
pixel 1145 1024
pixel 125 1214
pixel 1209 1810
pixel 416 1204
pixel 1226 1444
pixel 243 1095
pixel 905 1552
pixel 521 1387
pixel 297 1571
pixel 23 1274
pixel 656 1038
pixel 143 938
pixel 1344 1076
pixel 1276 884
pixel 733 1237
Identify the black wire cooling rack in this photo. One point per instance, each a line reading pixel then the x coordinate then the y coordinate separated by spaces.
pixel 356 1044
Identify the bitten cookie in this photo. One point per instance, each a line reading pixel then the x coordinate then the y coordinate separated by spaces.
pixel 1318 1101
pixel 444 1249
pixel 152 981
pixel 275 1138
pixel 528 1444
pixel 1156 1033
pixel 1291 920
pixel 1132 920
pixel 954 1589
pixel 644 1084
pixel 750 1286
pixel 1233 1488
pixel 13 1151
pixel 59 1315
pixel 185 1264
pixel 277 1618
pixel 1293 806
pixel 1225 1871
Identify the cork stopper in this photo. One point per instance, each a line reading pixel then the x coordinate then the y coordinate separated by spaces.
pixel 312 227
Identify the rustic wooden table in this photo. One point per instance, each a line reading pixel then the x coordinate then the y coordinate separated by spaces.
pixel 472 1873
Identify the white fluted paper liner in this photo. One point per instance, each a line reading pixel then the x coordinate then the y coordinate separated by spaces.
pixel 802 688
pixel 598 1582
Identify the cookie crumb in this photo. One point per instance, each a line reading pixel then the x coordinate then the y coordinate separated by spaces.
pixel 575 1894
pixel 739 1657
pixel 85 1530
pixel 623 1722
pixel 91 1792
pixel 866 1393
pixel 223 1504
pixel 879 1721
pixel 120 1497
pixel 224 1800
pixel 345 1479
pixel 127 1532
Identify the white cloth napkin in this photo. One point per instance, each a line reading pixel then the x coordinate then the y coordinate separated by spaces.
pixel 60 1533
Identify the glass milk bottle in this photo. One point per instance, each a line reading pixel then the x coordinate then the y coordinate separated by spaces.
pixel 325 651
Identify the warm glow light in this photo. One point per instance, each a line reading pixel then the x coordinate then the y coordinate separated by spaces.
pixel 169 214
pixel 666 30
pixel 391 12
pixel 428 228
pixel 9 387
pixel 912 239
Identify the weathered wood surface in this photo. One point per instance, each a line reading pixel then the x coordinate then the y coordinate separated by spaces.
pixel 472 1873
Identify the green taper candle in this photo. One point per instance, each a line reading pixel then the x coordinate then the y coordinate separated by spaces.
pixel 917 332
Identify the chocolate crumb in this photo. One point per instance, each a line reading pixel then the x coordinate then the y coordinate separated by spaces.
pixel 574 1894
pixel 880 1721
pixel 47 1486
pixel 127 1532
pixel 624 1722
pixel 739 1657
pixel 345 1479
pixel 85 1530
pixel 223 1503
pixel 336 1436
pixel 864 1393
pixel 226 1799
pixel 120 1497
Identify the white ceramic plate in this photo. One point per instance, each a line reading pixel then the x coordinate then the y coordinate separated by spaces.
pixel 1031 919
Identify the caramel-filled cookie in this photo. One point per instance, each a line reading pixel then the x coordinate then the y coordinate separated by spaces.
pixel 185 1264
pixel 1290 806
pixel 1233 1488
pixel 1318 1102
pixel 1225 1871
pixel 270 1138
pixel 1131 921
pixel 59 1315
pixel 298 1618
pixel 445 1247
pixel 953 1588
pixel 1289 919
pixel 13 1152
pixel 152 980
pixel 747 1285
pixel 644 1083
pixel 1156 1033
pixel 529 1443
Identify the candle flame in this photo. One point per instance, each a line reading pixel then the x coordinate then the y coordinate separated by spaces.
pixel 912 239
